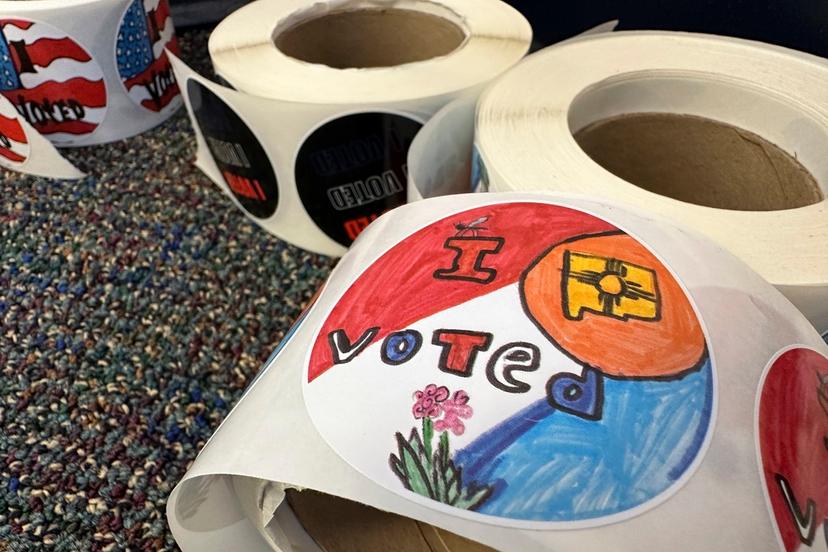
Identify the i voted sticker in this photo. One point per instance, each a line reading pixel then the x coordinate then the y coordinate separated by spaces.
pixel 146 30
pixel 522 364
pixel 14 145
pixel 351 170
pixel 237 152
pixel 52 81
pixel 792 437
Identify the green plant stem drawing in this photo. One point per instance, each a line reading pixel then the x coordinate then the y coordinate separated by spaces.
pixel 428 435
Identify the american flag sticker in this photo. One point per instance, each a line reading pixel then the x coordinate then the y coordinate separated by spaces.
pixel 52 81
pixel 14 146
pixel 146 30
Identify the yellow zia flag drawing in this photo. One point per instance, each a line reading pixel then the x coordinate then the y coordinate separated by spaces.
pixel 608 287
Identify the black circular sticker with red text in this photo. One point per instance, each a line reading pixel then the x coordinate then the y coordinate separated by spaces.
pixel 351 170
pixel 243 163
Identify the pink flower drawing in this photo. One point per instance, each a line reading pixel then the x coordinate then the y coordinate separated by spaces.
pixel 455 410
pixel 427 402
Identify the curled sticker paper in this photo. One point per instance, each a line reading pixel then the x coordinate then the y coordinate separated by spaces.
pixel 86 72
pixel 531 372
pixel 311 143
pixel 762 106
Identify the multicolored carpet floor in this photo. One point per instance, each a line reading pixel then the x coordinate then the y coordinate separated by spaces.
pixel 135 305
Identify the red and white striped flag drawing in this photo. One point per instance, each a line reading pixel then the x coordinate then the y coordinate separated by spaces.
pixel 52 81
pixel 14 146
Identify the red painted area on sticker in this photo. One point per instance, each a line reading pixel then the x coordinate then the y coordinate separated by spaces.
pixel 11 156
pixel 44 51
pixel 159 81
pixel 19 23
pixel 10 128
pixel 793 442
pixel 400 288
pixel 87 93
pixel 50 79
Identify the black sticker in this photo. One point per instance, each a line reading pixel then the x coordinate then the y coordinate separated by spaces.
pixel 353 169
pixel 239 156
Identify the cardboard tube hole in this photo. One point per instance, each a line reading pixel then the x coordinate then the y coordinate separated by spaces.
pixel 370 37
pixel 699 161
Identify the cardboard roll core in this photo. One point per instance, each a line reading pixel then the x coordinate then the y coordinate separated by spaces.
pixel 370 37
pixel 339 525
pixel 700 161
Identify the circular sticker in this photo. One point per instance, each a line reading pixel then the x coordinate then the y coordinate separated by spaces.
pixel 240 158
pixel 146 29
pixel 14 146
pixel 52 81
pixel 792 436
pixel 521 364
pixel 351 170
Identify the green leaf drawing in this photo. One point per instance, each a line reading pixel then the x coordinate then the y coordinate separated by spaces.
pixel 435 476
pixel 411 459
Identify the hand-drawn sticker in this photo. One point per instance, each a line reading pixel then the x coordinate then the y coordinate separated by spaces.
pixel 522 364
pixel 146 29
pixel 792 442
pixel 14 146
pixel 52 81
pixel 351 170
pixel 239 156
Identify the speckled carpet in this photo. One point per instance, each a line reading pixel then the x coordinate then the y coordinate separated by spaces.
pixel 135 305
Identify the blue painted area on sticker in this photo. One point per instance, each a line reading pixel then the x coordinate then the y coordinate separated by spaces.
pixel 550 465
pixel 9 78
pixel 133 50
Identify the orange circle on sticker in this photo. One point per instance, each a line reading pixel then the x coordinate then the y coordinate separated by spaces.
pixel 608 302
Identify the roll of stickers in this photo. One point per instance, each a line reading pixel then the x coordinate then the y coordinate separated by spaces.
pixel 312 144
pixel 529 372
pixel 723 135
pixel 83 72
pixel 440 160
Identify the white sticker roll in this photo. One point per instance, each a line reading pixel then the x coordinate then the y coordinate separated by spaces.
pixel 312 143
pixel 88 72
pixel 532 372
pixel 362 52
pixel 441 158
pixel 662 114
